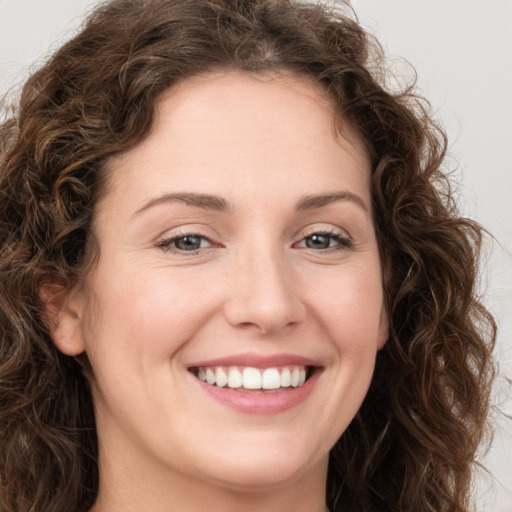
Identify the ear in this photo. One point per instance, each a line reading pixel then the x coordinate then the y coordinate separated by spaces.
pixel 62 314
pixel 383 334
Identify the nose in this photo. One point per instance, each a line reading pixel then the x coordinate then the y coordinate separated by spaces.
pixel 264 293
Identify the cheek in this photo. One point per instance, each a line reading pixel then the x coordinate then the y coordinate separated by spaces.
pixel 349 305
pixel 145 317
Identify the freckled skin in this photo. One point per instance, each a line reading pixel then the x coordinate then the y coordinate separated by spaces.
pixel 256 280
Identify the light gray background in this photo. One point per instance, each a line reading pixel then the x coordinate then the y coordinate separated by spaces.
pixel 461 50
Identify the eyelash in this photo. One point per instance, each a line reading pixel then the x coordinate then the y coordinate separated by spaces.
pixel 167 243
pixel 343 242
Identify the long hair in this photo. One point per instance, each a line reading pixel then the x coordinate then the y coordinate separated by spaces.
pixel 411 447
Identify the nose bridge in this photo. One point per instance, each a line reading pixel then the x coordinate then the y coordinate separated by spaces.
pixel 263 289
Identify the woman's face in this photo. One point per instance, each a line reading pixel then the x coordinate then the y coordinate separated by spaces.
pixel 236 243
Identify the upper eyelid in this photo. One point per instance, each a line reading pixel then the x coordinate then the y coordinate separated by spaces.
pixel 333 231
pixel 342 239
pixel 165 243
pixel 178 236
pixel 182 231
pixel 333 234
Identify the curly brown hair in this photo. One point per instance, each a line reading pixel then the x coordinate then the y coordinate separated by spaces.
pixel 412 444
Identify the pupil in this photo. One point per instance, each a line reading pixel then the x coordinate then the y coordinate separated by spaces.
pixel 318 242
pixel 188 243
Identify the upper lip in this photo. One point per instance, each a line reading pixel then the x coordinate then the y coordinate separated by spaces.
pixel 257 361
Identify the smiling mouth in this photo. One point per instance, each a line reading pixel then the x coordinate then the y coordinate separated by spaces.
pixel 248 379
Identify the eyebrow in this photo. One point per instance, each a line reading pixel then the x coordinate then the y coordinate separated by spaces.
pixel 314 201
pixel 217 203
pixel 204 201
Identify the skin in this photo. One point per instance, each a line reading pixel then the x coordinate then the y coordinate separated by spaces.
pixel 254 285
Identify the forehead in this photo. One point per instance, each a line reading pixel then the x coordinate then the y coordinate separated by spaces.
pixel 264 97
pixel 236 127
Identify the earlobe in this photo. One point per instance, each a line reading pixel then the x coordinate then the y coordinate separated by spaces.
pixel 62 315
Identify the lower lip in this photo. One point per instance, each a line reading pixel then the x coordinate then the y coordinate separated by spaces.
pixel 261 403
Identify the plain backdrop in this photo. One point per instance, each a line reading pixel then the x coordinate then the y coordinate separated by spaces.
pixel 462 52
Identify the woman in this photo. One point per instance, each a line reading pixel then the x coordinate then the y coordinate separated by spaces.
pixel 233 276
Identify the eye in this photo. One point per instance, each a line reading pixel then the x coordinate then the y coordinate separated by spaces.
pixel 185 243
pixel 322 241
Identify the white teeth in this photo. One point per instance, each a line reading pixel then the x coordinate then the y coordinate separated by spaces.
pixel 294 381
pixel 286 378
pixel 251 378
pixel 271 379
pixel 210 376
pixel 302 376
pixel 221 379
pixel 235 378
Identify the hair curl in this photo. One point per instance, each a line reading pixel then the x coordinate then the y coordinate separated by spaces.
pixel 412 445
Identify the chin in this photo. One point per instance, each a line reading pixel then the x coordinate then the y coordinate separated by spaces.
pixel 247 469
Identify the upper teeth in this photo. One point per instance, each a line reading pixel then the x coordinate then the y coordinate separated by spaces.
pixel 253 378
